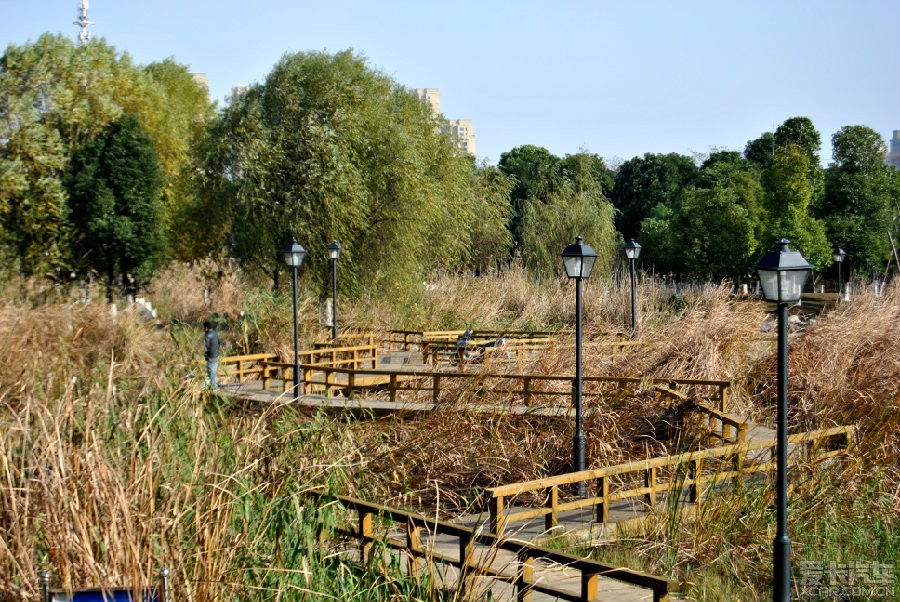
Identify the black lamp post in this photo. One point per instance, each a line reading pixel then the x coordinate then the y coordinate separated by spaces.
pixel 578 259
pixel 839 256
pixel 782 274
pixel 632 252
pixel 293 256
pixel 334 251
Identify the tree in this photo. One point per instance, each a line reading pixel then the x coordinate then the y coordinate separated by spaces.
pixel 534 170
pixel 188 112
pixel 549 226
pixel 644 182
pixel 56 96
pixel 114 209
pixel 490 240
pixel 761 151
pixel 587 171
pixel 859 195
pixel 800 133
pixel 330 149
pixel 789 194
pixel 712 230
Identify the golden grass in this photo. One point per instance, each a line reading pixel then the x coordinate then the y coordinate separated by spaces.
pixel 113 464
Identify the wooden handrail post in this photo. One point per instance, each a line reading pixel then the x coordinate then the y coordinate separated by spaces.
pixel 694 468
pixel 414 548
pixel 526 390
pixel 307 380
pixel 589 586
pixel 650 482
pixel 496 511
pixel 435 387
pixel 392 387
pixel 602 507
pixel 525 577
pixel 365 535
pixel 331 378
pixel 466 554
pixel 551 519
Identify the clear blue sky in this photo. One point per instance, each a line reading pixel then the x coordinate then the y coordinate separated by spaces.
pixel 618 78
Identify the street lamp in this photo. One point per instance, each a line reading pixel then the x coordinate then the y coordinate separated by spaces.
pixel 839 256
pixel 293 257
pixel 632 252
pixel 578 259
pixel 334 251
pixel 782 274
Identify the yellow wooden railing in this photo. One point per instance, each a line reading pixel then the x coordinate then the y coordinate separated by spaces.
pixel 527 389
pixel 369 515
pixel 656 475
pixel 265 366
pixel 245 365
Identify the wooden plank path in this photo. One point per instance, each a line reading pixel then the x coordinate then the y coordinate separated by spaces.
pixel 491 565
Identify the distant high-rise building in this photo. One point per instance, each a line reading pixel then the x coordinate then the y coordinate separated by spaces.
pixel 237 91
pixel 463 133
pixel 893 157
pixel 461 130
pixel 430 95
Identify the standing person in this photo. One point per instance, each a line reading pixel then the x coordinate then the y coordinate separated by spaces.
pixel 212 342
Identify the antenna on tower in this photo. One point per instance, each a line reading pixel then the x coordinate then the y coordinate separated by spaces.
pixel 84 35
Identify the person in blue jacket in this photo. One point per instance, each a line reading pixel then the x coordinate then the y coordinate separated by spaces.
pixel 212 342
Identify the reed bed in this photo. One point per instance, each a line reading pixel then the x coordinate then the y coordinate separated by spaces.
pixel 114 463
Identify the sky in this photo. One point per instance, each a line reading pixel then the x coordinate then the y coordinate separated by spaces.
pixel 615 78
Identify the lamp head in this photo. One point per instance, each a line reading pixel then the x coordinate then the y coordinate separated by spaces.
pixel 579 259
pixel 334 250
pixel 632 249
pixel 783 273
pixel 293 254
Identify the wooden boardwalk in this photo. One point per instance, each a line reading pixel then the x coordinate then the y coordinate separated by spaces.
pixel 414 388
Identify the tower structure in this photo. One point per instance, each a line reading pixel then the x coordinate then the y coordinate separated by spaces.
pixel 84 35
pixel 893 157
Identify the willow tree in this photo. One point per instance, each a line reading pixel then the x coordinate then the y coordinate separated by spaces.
pixel 331 149
pixel 548 226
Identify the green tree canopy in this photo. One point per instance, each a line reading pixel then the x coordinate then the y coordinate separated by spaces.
pixel 491 241
pixel 56 96
pixel 548 226
pixel 712 229
pixel 330 149
pixel 789 194
pixel 533 170
pixel 644 182
pixel 860 192
pixel 761 151
pixel 115 212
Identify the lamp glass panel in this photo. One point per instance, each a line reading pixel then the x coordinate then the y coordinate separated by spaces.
pixel 587 265
pixel 573 266
pixel 791 285
pixel 768 279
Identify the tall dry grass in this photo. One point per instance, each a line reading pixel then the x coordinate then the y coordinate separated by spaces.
pixel 112 462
